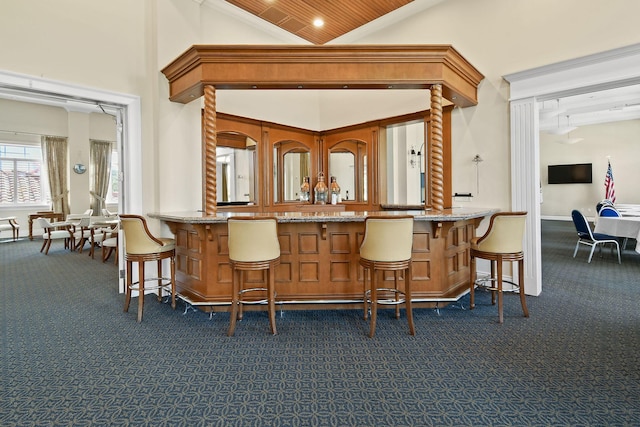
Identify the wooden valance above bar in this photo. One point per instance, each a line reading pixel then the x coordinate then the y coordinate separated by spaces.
pixel 323 67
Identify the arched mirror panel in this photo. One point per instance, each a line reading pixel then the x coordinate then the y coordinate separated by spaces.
pixel 292 163
pixel 348 165
pixel 235 169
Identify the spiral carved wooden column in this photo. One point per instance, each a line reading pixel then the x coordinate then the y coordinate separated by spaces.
pixel 210 143
pixel 437 152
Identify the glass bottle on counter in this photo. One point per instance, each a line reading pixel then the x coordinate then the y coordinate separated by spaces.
pixel 335 191
pixel 320 191
pixel 305 190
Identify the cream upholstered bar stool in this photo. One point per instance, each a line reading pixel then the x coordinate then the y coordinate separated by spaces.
pixel 141 247
pixel 253 246
pixel 502 242
pixel 386 246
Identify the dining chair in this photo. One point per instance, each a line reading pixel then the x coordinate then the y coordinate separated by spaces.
pixel 502 242
pixel 106 212
pixel 611 212
pixel 110 243
pixel 55 231
pixel 253 246
pixel 603 203
pixel 81 231
pixel 72 217
pixel 386 246
pixel 589 238
pixel 10 225
pixel 99 225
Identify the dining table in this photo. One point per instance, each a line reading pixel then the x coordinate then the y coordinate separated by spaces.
pixel 627 209
pixel 53 216
pixel 622 226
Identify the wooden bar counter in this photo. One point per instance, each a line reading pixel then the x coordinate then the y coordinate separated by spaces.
pixel 319 265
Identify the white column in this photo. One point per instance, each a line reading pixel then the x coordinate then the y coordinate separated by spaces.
pixel 525 185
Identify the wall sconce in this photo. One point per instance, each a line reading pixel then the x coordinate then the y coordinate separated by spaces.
pixel 415 157
pixel 477 159
pixel 412 157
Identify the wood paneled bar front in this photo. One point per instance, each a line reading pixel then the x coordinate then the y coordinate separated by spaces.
pixel 319 265
pixel 320 249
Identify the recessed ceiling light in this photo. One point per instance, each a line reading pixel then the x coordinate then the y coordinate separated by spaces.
pixel 318 22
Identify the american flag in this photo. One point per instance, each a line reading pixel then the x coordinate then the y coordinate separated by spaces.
pixel 609 190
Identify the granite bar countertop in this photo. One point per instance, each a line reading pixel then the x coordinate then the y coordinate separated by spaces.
pixel 453 214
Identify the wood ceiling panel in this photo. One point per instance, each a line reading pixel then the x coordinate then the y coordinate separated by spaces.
pixel 293 25
pixel 274 15
pixel 340 17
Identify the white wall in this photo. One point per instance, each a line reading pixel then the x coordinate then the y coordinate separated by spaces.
pixel 500 37
pixel 618 141
pixel 121 45
pixel 93 44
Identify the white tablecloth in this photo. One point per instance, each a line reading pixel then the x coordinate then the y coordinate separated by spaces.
pixel 628 209
pixel 620 227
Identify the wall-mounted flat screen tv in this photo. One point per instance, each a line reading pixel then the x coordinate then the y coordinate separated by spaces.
pixel 579 173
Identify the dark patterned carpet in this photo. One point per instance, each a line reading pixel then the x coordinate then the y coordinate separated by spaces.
pixel 71 357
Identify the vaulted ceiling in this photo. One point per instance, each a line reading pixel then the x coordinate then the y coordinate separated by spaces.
pixel 348 20
pixel 338 17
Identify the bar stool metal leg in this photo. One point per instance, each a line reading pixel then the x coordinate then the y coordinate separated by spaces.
pixel 271 296
pixel 374 303
pixel 235 295
pixel 140 290
pixel 408 307
pixel 523 300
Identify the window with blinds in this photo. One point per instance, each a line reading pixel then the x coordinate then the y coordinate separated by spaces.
pixel 22 180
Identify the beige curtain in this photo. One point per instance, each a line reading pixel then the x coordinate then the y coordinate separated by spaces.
pixel 54 156
pixel 225 182
pixel 100 158
pixel 304 166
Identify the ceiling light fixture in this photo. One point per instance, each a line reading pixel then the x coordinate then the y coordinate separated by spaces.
pixel 569 140
pixel 548 112
pixel 562 130
pixel 318 22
